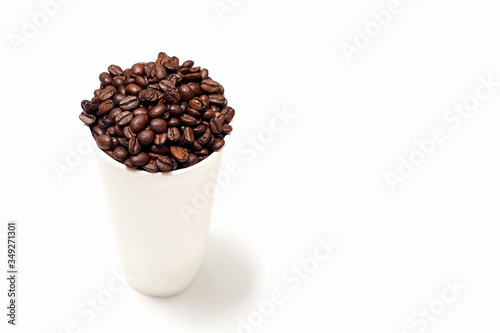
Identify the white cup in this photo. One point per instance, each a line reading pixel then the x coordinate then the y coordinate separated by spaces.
pixel 160 221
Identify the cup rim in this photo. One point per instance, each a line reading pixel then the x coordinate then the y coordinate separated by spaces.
pixel 144 173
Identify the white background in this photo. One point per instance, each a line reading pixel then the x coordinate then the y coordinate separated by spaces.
pixel 322 175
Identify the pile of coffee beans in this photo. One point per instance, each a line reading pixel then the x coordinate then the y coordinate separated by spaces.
pixel 158 116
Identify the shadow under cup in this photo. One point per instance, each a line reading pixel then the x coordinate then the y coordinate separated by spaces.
pixel 160 221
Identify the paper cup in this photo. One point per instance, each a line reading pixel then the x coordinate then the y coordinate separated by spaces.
pixel 160 221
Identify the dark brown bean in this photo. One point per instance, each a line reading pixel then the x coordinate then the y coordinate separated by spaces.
pixel 105 106
pixel 199 130
pixel 106 79
pixel 140 159
pixel 188 135
pixel 139 123
pixel 138 69
pixel 115 70
pixel 215 125
pixel 218 144
pixel 174 122
pixel 192 160
pixel 210 85
pixel 188 120
pixel 186 93
pixel 179 153
pixel 123 118
pixel 157 111
pixel 164 163
pixel 120 153
pixel 160 139
pixel 129 103
pixel 87 119
pixel 150 166
pixel 146 137
pixel 173 134
pixel 134 147
pixel 104 142
pixel 133 89
pixel 158 125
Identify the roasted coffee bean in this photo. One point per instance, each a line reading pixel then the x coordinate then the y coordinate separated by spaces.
pixel 138 69
pixel 175 110
pixel 138 123
pixel 134 147
pixel 160 72
pixel 119 130
pixel 115 70
pixel 157 111
pixel 102 124
pixel 175 78
pixel 210 86
pixel 118 81
pixel 113 113
pixel 140 110
pixel 104 142
pixel 193 112
pixel 208 114
pixel 199 130
pixel 204 74
pixel 118 97
pixel 228 113
pixel 121 90
pixel 188 120
pixel 124 118
pixel 120 153
pixel 218 144
pixel 133 89
pixel 160 139
pixel 123 141
pixel 106 79
pixel 127 132
pixel 205 138
pixel 164 163
pixel 162 150
pixel 215 125
pixel 158 125
pixel 179 153
pixel 146 137
pixel 129 103
pixel 141 81
pixel 87 119
pixel 86 106
pixel 186 93
pixel 150 166
pixel 149 95
pixel 174 122
pixel 195 87
pixel 188 64
pixel 192 160
pixel 172 96
pixel 129 164
pixel 107 93
pixel 171 63
pixel 193 76
pixel 173 134
pixel 130 80
pixel 188 135
pixel 140 159
pixel 97 130
pixel 226 128
pixel 217 99
pixel 105 106
pixel 162 58
pixel 201 152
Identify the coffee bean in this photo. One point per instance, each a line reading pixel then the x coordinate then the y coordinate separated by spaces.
pixel 133 89
pixel 188 64
pixel 140 110
pixel 120 153
pixel 129 103
pixel 201 152
pixel 208 114
pixel 217 99
pixel 215 125
pixel 150 166
pixel 118 81
pixel 193 112
pixel 188 135
pixel 173 134
pixel 105 106
pixel 195 87
pixel 115 70
pixel 129 164
pixel 107 93
pixel 204 74
pixel 118 97
pixel 138 69
pixel 171 63
pixel 141 81
pixel 158 125
pixel 146 137
pixel 140 159
pixel 157 111
pixel 192 160
pixel 164 163
pixel 186 93
pixel 193 76
pixel 162 58
pixel 87 119
pixel 188 120
pixel 174 122
pixel 121 89
pixel 134 147
pixel 179 153
pixel 138 123
pixel 160 139
pixel 205 138
pixel 106 78
pixel 127 132
pixel 210 86
pixel 218 144
pixel 124 118
pixel 199 130
pixel 104 142
pixel 162 150
pixel 226 128
pixel 175 110
pixel 228 113
pixel 160 72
